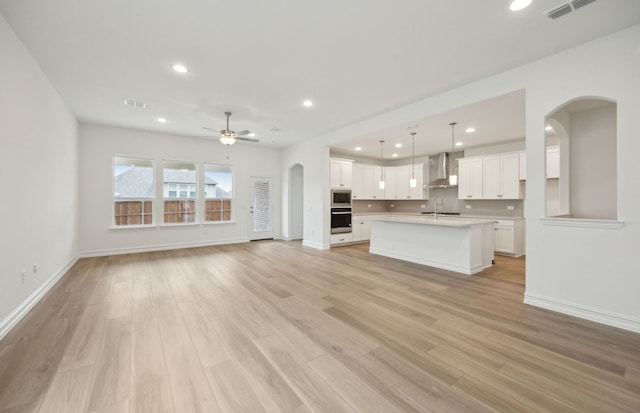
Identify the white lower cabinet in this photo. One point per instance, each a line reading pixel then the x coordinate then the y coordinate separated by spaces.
pixel 509 237
pixel 341 238
pixel 361 229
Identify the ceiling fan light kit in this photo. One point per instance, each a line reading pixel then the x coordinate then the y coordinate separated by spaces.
pixel 227 140
pixel 229 137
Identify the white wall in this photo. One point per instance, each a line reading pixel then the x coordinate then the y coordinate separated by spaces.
pixel 97 146
pixel 313 155
pixel 583 271
pixel 38 164
pixel 296 202
pixel 593 163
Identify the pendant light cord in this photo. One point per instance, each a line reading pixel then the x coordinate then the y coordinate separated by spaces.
pixel 453 145
pixel 413 155
pixel 381 162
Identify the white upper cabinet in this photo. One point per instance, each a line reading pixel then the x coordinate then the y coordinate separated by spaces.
pixel 522 158
pixel 501 177
pixel 403 174
pixel 357 191
pixel 366 179
pixel 390 190
pixel 470 178
pixel 341 173
pixel 418 191
pixel 553 162
pixel 397 182
pixel 366 182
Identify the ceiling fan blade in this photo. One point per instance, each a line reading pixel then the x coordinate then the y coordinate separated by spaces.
pixel 243 133
pixel 239 138
pixel 209 129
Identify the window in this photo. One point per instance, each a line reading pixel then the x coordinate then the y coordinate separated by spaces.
pixel 218 193
pixel 180 192
pixel 132 191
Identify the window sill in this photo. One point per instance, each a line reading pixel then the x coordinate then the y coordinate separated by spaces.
pixel 583 222
pixel 119 227
pixel 218 222
pixel 179 224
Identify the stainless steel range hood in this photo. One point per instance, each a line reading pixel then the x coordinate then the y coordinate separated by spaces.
pixel 439 167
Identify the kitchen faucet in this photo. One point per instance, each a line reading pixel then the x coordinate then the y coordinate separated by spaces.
pixel 441 203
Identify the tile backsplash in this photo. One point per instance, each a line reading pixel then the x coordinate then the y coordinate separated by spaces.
pixel 451 204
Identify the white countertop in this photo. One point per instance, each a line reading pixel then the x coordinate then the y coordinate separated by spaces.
pixel 413 214
pixel 440 221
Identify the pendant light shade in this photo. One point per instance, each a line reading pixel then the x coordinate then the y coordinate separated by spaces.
pixel 381 183
pixel 453 178
pixel 412 182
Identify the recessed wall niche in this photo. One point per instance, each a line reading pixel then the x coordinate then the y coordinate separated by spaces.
pixel 581 160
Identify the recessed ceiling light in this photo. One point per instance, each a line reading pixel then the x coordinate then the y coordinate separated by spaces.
pixel 179 68
pixel 398 145
pixel 251 134
pixel 459 144
pixel 470 130
pixel 358 148
pixel 548 128
pixel 395 155
pixel 135 103
pixel 162 120
pixel 307 103
pixel 519 4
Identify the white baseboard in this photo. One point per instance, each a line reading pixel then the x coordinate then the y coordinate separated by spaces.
pixel 14 318
pixel 316 245
pixel 430 262
pixel 161 247
pixel 588 313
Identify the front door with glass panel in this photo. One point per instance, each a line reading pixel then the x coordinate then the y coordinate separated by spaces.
pixel 260 209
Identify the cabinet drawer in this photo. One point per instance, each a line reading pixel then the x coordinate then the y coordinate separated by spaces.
pixel 504 223
pixel 341 238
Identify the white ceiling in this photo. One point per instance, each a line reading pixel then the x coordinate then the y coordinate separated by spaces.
pixel 259 59
pixel 496 120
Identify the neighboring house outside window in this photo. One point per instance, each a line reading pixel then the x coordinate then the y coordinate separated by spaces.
pixel 218 193
pixel 132 191
pixel 134 194
pixel 180 192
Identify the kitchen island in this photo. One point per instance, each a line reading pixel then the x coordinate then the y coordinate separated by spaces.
pixel 460 245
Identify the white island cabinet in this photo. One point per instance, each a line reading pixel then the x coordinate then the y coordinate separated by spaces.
pixel 464 246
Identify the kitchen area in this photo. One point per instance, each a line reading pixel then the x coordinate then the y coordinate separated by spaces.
pixel 453 209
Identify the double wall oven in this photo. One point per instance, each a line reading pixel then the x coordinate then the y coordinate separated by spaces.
pixel 340 211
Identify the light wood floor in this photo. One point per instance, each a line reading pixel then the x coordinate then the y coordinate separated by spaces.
pixel 275 327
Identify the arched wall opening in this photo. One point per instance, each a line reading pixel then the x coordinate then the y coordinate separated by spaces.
pixel 581 161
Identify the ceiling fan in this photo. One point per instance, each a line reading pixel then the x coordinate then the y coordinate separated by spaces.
pixel 229 137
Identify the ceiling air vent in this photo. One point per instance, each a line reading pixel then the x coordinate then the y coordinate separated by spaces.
pixel 567 8
pixel 559 11
pixel 580 3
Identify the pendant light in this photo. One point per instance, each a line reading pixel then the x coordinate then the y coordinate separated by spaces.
pixel 453 178
pixel 412 181
pixel 381 183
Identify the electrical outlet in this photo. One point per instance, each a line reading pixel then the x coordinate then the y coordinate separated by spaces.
pixel 422 206
pixel 510 207
pixel 368 205
pixel 468 206
pixel 392 206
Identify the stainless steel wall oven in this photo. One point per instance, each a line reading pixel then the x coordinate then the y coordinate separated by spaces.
pixel 340 220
